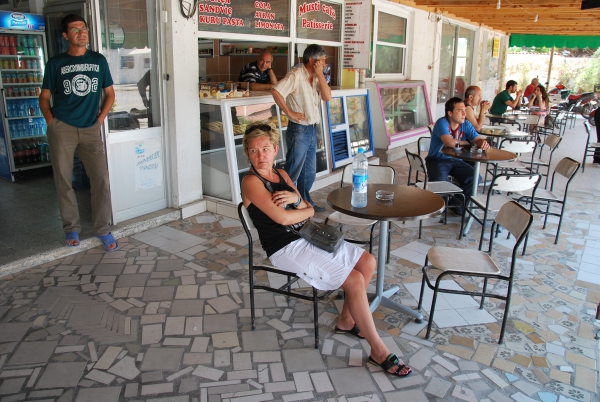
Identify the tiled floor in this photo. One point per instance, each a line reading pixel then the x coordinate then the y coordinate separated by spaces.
pixel 167 319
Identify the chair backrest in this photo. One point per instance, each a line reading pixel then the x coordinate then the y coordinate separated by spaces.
pixel 423 144
pixel 245 219
pixel 531 119
pixel 518 146
pixel 552 141
pixel 430 127
pixel 416 162
pixel 514 218
pixel 567 168
pixel 514 182
pixel 378 174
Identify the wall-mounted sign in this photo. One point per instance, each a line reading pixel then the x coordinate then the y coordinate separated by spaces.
pixel 318 20
pixel 24 21
pixel 357 34
pixel 245 17
pixel 496 48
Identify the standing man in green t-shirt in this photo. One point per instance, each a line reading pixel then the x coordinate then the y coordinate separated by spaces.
pixel 504 99
pixel 76 81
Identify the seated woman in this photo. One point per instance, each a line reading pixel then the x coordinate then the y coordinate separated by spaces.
pixel 539 98
pixel 273 205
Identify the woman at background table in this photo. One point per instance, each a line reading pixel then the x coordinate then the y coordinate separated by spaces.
pixel 273 204
pixel 539 98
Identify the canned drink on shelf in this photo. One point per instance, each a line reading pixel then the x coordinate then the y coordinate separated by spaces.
pixel 38 91
pixel 13 78
pixel 30 41
pixel 13 50
pixel 39 77
pixel 9 92
pixel 11 40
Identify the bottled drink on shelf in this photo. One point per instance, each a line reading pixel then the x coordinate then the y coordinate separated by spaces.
pixel 360 174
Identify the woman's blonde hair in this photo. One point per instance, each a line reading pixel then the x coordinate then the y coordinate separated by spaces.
pixel 256 130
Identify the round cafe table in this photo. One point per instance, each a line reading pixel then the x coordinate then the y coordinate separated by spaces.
pixel 409 203
pixel 491 155
pixel 506 118
pixel 499 133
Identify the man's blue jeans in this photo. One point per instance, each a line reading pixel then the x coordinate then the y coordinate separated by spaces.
pixel 301 157
pixel 438 169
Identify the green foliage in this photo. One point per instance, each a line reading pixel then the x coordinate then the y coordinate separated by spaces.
pixel 590 74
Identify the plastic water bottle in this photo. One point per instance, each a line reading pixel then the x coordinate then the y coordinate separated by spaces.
pixel 360 174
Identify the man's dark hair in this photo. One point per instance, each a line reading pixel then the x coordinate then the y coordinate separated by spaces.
pixel 450 104
pixel 313 52
pixel 70 19
pixel 471 91
pixel 510 83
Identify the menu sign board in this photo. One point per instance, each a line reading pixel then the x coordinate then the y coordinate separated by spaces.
pixel 357 31
pixel 245 17
pixel 319 20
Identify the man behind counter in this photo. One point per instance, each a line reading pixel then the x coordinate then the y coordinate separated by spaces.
pixel 259 73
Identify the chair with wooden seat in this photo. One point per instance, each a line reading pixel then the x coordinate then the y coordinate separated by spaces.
pixel 590 147
pixel 491 203
pixel 567 168
pixel 445 189
pixel 452 261
pixel 265 265
pixel 378 174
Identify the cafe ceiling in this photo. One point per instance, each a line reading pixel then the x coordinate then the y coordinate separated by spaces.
pixel 555 17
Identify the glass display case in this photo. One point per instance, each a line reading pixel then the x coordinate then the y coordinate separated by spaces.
pixel 350 126
pixel 405 110
pixel 222 126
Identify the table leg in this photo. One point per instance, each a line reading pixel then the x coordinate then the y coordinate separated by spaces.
pixel 473 194
pixel 381 296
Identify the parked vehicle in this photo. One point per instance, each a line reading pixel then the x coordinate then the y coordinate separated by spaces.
pixel 592 118
pixel 584 103
pixel 560 90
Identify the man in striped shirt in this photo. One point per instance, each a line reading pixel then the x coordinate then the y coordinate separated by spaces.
pixel 259 73
pixel 299 96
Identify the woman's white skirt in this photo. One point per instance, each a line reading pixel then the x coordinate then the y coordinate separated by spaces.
pixel 323 270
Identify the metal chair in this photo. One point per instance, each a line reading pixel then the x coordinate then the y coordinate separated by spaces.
pixel 445 189
pixel 464 262
pixel 590 147
pixel 265 265
pixel 567 168
pixel 551 142
pixel 378 174
pixel 530 123
pixel 423 144
pixel 491 204
pixel 517 146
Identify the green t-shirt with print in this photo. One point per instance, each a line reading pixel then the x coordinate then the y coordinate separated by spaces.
pixel 76 84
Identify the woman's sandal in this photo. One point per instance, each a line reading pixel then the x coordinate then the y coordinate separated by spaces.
pixel 354 331
pixel 389 362
pixel 107 240
pixel 70 237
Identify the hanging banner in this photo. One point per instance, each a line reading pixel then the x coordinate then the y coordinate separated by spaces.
pixel 24 21
pixel 319 20
pixel 245 17
pixel 147 164
pixel 357 34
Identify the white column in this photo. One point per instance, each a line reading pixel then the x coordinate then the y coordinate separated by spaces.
pixel 183 108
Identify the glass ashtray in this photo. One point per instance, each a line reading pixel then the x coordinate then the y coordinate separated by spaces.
pixel 384 195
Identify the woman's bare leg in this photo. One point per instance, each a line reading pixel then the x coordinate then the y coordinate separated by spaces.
pixel 366 265
pixel 357 306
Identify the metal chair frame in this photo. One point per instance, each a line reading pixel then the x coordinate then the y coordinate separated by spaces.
pixel 449 190
pixel 590 147
pixel 505 218
pixel 285 290
pixel 551 141
pixel 567 168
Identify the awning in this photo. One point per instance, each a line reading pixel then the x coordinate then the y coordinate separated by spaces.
pixel 580 42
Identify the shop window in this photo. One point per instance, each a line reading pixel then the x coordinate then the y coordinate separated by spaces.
pixel 127 62
pixel 455 62
pixel 389 43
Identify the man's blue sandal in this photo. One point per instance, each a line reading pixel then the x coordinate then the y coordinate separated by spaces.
pixel 72 236
pixel 107 240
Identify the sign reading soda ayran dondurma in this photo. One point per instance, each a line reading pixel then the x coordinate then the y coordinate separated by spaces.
pixel 245 17
pixel 319 20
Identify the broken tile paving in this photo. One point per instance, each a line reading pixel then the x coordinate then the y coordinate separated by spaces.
pixel 167 318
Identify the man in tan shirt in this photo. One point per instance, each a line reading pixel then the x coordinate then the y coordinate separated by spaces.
pixel 299 96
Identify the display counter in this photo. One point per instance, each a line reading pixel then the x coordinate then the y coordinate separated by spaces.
pixel 222 126
pixel 350 128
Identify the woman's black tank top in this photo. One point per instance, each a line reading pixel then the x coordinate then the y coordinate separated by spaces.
pixel 273 236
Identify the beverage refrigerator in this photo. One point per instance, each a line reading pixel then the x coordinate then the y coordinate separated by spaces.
pixel 23 141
